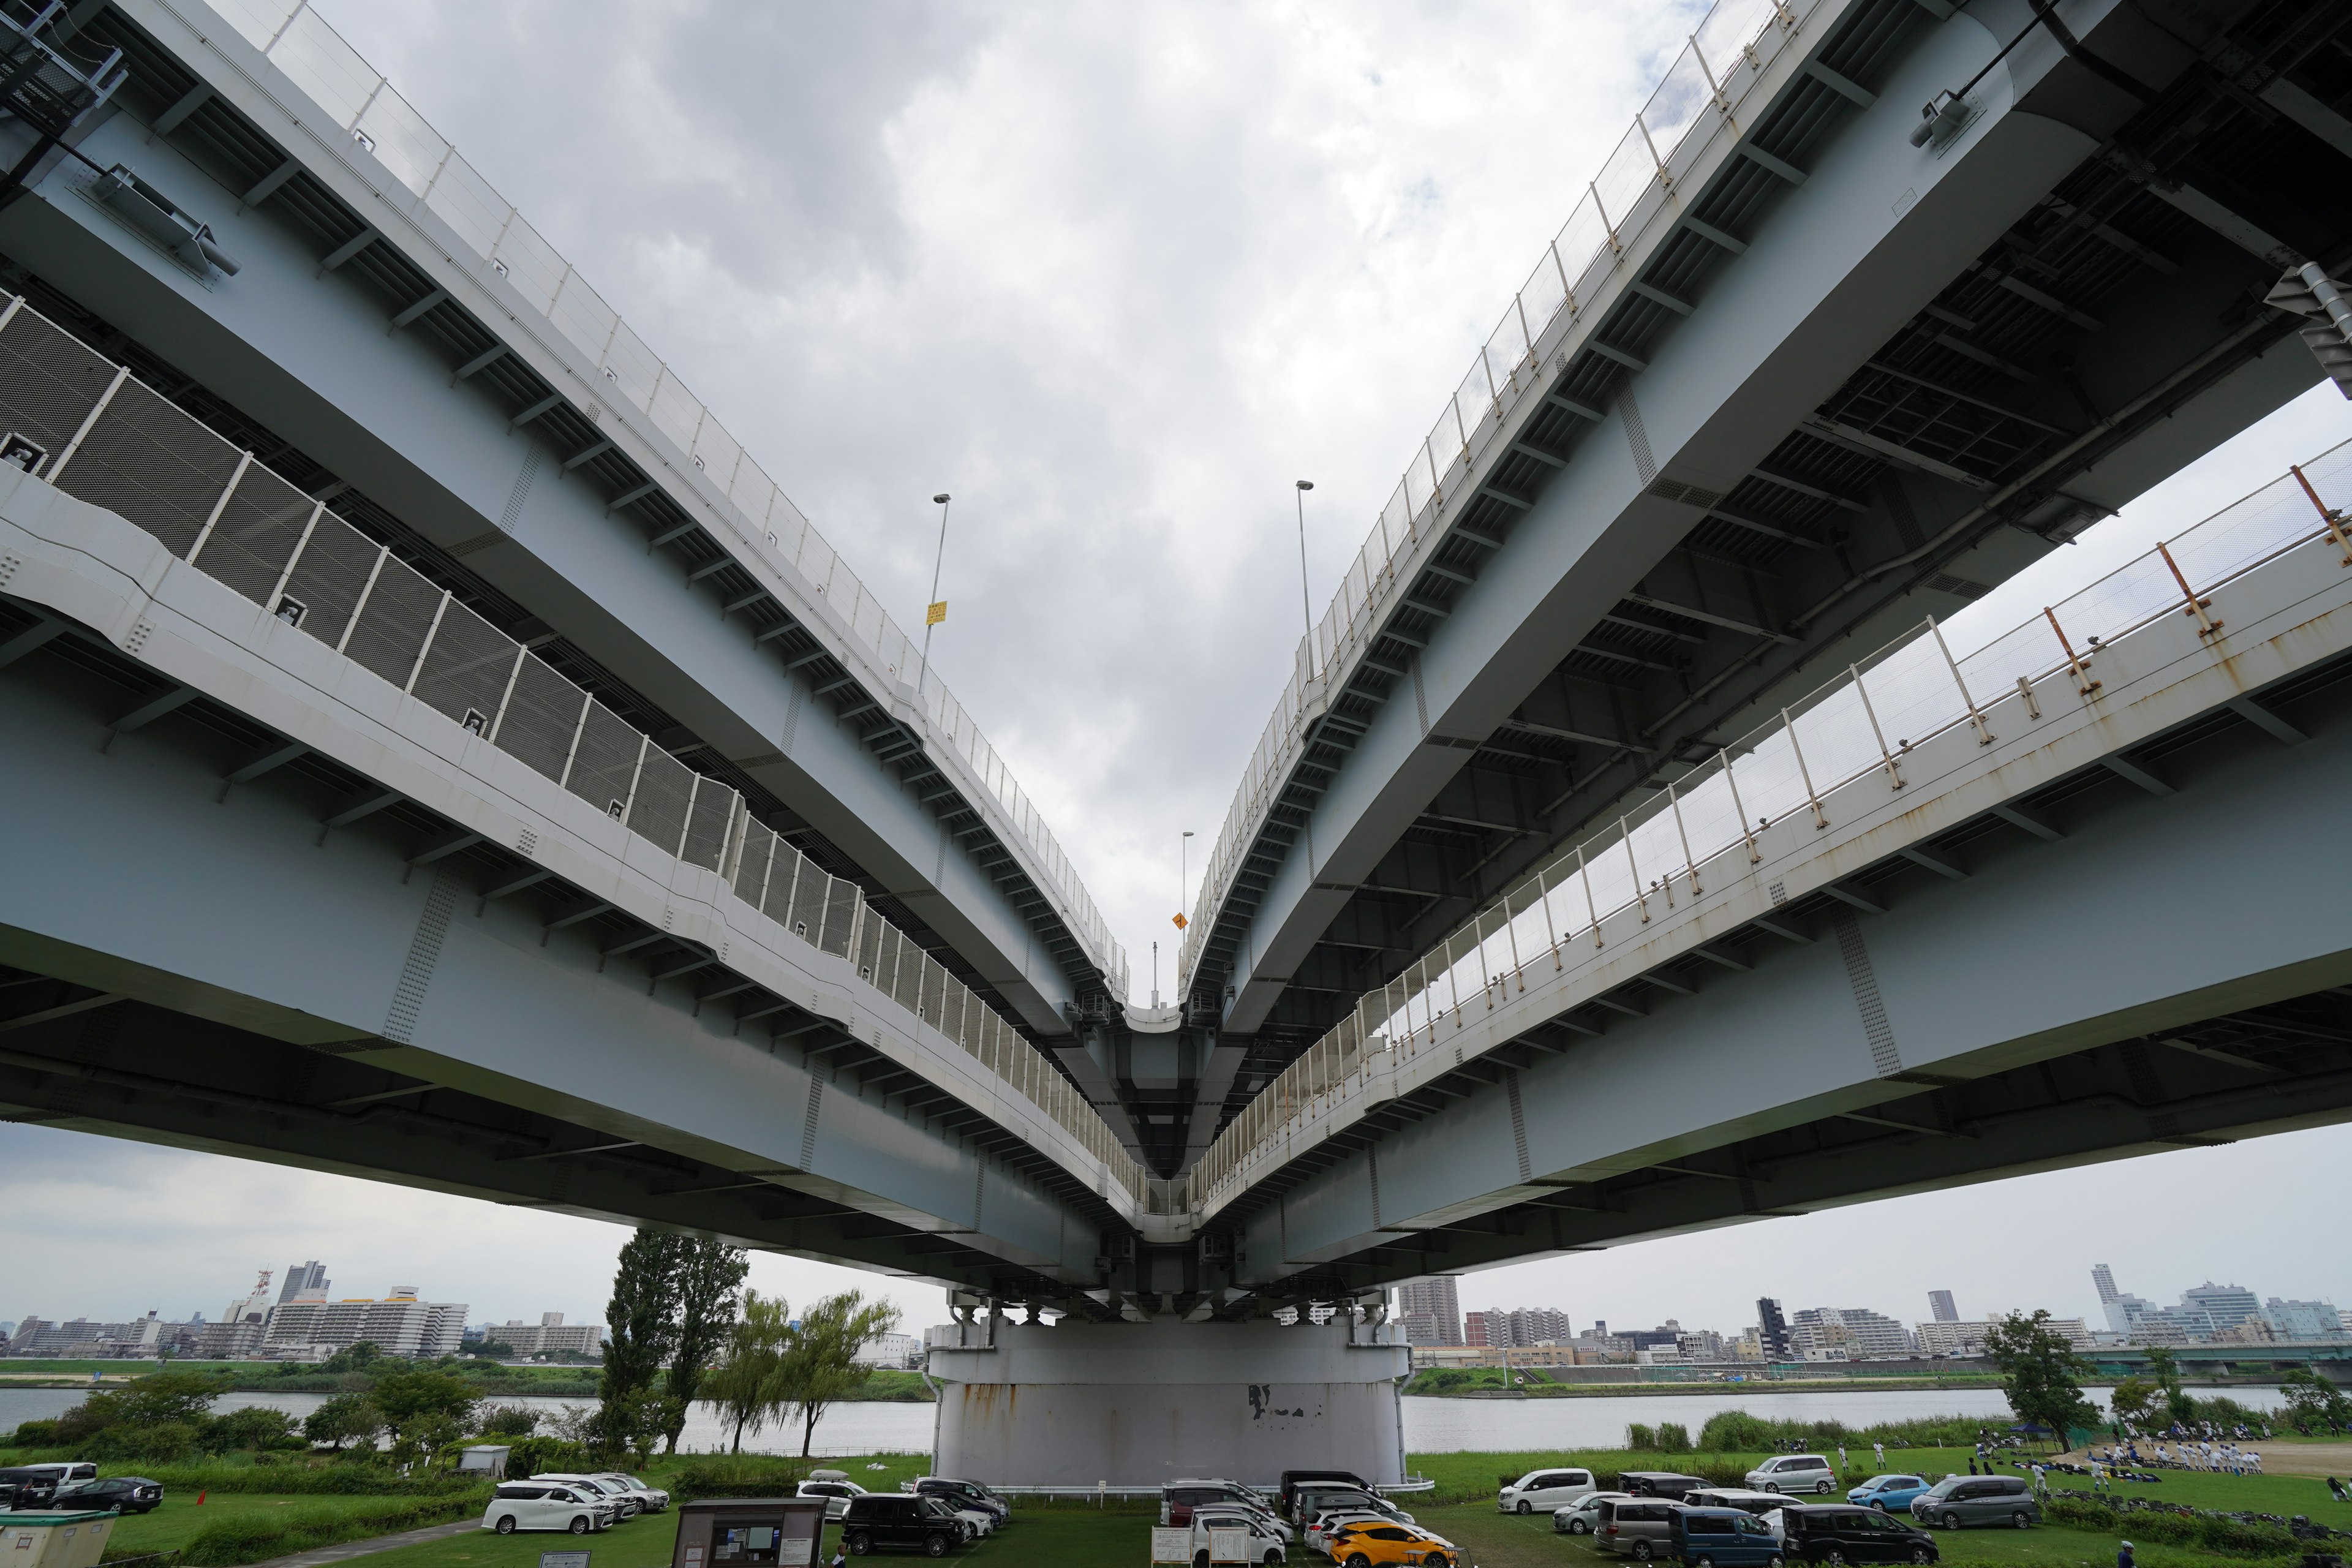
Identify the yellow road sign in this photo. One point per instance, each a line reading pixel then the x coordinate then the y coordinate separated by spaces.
pixel 936 614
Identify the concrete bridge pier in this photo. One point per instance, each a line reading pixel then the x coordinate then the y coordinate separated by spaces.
pixel 1075 1404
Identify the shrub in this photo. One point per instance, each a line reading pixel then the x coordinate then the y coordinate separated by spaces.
pixel 1673 1437
pixel 742 1475
pixel 2082 1513
pixel 1642 1439
pixel 251 1538
pixel 1735 1432
pixel 508 1421
pixel 35 1435
pixel 529 1456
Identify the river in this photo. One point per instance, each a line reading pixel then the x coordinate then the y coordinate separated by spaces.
pixel 1431 1426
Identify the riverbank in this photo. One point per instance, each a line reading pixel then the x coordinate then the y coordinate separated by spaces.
pixel 500 1381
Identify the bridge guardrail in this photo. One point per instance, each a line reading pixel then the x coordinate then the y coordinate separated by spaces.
pixel 381 125
pixel 1844 733
pixel 83 423
pixel 1709 81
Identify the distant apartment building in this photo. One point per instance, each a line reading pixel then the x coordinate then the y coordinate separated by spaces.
pixel 1857 1330
pixel 902 1352
pixel 1968 1339
pixel 2223 1306
pixel 2303 1319
pixel 2206 1313
pixel 549 1336
pixel 399 1324
pixel 1772 1329
pixel 1430 1311
pixel 1522 1326
pixel 305 1280
pixel 1941 1307
pixel 83 1339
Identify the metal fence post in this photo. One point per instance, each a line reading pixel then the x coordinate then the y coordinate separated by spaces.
pixel 1755 855
pixel 499 720
pixel 686 817
pixel 2083 681
pixel 571 753
pixel 367 589
pixel 636 773
pixel 287 575
pixel 15 303
pixel 212 520
pixel 1625 836
pixel 88 421
pixel 430 632
pixel 1689 860
pixel 1984 736
pixel 1820 819
pixel 1894 770
pixel 1591 910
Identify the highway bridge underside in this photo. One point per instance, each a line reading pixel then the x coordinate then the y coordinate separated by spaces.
pixel 2102 338
pixel 2152 954
pixel 213 940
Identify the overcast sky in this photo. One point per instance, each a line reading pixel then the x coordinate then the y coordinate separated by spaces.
pixel 1115 275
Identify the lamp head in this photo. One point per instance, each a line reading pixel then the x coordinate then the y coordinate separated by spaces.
pixel 1307 484
pixel 940 498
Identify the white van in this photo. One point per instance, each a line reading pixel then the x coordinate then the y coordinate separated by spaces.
pixel 1545 1490
pixel 540 1504
pixel 1792 1474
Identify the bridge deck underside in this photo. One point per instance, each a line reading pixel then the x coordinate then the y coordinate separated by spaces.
pixel 2131 960
pixel 2098 341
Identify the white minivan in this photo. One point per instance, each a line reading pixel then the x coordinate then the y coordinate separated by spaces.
pixel 1792 1474
pixel 546 1505
pixel 1545 1490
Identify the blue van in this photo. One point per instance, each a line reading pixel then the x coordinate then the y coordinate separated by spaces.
pixel 1722 1538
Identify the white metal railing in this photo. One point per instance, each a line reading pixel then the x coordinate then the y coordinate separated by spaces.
pixel 1861 725
pixel 1723 63
pixel 85 425
pixel 507 251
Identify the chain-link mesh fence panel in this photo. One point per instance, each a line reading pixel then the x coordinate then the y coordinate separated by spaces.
pixel 934 991
pixel 907 979
pixel 776 901
pixel 466 670
pixel 604 761
pixel 330 577
pixel 807 915
pixel 153 465
pixel 393 623
pixel 841 902
pixel 542 714
pixel 255 534
pixel 871 937
pixel 706 832
pixel 48 383
pixel 665 793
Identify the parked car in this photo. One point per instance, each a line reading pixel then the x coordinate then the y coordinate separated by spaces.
pixel 1817 1532
pixel 21 1486
pixel 1888 1494
pixel 838 1494
pixel 1660 1483
pixel 542 1504
pixel 651 1498
pixel 1179 1498
pixel 625 1504
pixel 1323 1526
pixel 1959 1500
pixel 1265 1546
pixel 1794 1473
pixel 1293 1480
pixel 1376 1545
pixel 1721 1538
pixel 1580 1517
pixel 1637 1527
pixel 124 1494
pixel 1761 1504
pixel 963 1495
pixel 875 1521
pixel 1544 1489
pixel 1315 1504
pixel 64 1473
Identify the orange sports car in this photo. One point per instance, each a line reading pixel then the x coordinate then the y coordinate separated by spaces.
pixel 1375 1545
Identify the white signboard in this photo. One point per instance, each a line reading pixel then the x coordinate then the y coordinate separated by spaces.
pixel 1229 1545
pixel 795 1551
pixel 1171 1545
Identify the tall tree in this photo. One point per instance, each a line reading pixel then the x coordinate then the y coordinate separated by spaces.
pixel 2041 1373
pixel 748 1384
pixel 2179 1404
pixel 708 1276
pixel 640 1334
pixel 822 1366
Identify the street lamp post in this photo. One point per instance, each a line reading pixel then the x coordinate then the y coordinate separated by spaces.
pixel 1305 606
pixel 934 612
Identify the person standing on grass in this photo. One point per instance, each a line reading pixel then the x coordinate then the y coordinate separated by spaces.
pixel 1843 1464
pixel 2124 1558
pixel 1878 1454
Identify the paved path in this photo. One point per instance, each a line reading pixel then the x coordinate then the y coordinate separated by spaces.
pixel 351 1549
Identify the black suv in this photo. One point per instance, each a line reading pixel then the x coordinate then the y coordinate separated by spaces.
pixel 124 1494
pixel 1823 1533
pixel 26 1487
pixel 879 1521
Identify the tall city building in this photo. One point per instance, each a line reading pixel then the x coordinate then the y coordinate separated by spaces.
pixel 1431 1311
pixel 399 1324
pixel 2105 1278
pixel 1521 1326
pixel 2303 1319
pixel 1941 1309
pixel 1772 1329
pixel 1857 1329
pixel 304 1280
pixel 2226 1306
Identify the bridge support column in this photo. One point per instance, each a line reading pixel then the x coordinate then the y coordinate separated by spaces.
pixel 1134 1405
